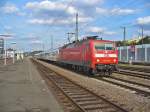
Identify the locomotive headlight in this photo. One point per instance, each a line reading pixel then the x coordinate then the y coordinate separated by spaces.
pixel 98 60
pixel 115 60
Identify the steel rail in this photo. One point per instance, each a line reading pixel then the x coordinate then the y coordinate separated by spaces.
pixel 131 82
pixel 138 91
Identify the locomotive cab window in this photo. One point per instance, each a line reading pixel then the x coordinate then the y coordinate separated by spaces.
pixel 99 46
pixel 109 46
pixel 104 46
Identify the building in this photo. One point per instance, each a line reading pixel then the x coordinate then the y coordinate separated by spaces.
pixel 10 53
pixel 1 47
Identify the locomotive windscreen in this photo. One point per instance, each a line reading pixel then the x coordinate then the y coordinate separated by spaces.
pixel 104 46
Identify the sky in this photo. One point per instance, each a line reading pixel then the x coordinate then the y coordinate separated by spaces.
pixel 32 24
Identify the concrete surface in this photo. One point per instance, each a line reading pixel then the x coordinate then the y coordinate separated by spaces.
pixel 23 90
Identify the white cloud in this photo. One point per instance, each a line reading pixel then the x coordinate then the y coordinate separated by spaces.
pixel 36 42
pixel 72 10
pixel 32 37
pixel 82 19
pixel 40 21
pixel 119 11
pixel 64 21
pixel 101 10
pixel 147 32
pixel 63 12
pixel 7 36
pixel 85 2
pixel 92 2
pixel 21 13
pixel 95 29
pixel 115 11
pixel 143 20
pixel 109 33
pixel 60 12
pixel 9 8
pixel 50 6
pixel 147 5
pixel 7 27
pixel 46 5
pixel 48 21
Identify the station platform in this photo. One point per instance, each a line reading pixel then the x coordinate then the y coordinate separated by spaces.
pixel 23 90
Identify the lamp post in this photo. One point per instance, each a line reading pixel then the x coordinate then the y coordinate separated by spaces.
pixel 5 56
pixel 13 47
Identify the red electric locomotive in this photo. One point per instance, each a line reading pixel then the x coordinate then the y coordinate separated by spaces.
pixel 92 55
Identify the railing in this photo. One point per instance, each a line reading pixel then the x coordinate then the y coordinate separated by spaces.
pixel 137 53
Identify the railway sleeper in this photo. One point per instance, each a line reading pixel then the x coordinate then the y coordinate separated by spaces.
pixel 71 94
pixel 97 107
pixel 85 99
pixel 71 89
pixel 81 96
pixel 90 103
pixel 74 91
pixel 68 87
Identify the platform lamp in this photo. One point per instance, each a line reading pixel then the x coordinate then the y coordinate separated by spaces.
pixel 13 51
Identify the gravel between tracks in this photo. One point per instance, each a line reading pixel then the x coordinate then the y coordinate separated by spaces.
pixel 132 78
pixel 121 96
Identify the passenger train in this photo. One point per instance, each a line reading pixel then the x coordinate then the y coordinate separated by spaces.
pixel 91 55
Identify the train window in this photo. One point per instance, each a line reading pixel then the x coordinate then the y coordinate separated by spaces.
pixel 104 46
pixel 100 46
pixel 109 46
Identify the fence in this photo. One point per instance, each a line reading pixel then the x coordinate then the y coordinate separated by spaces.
pixel 137 53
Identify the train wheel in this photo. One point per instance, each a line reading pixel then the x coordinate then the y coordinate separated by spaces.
pixel 79 68
pixel 73 67
pixel 93 72
pixel 108 73
pixel 102 73
pixel 87 71
pixel 84 69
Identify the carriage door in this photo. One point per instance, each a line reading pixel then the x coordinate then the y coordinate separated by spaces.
pixel 83 55
pixel 85 51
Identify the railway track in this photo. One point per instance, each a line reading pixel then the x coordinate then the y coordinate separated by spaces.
pixel 131 82
pixel 134 74
pixel 83 98
pixel 138 69
pixel 123 72
pixel 139 88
